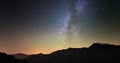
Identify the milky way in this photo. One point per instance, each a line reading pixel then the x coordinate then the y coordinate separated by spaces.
pixel 72 30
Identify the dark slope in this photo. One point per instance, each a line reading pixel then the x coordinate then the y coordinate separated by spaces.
pixel 36 58
pixel 4 58
pixel 96 53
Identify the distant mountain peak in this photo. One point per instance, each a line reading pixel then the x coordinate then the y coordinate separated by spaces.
pixel 20 56
pixel 100 44
pixel 103 46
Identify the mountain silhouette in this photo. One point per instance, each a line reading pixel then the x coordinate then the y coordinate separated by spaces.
pixel 96 53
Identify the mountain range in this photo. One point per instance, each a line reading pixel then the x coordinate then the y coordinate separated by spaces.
pixel 96 53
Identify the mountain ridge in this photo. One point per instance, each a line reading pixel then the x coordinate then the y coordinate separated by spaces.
pixel 107 53
pixel 96 53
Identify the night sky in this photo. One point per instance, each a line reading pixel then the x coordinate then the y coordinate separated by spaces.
pixel 43 26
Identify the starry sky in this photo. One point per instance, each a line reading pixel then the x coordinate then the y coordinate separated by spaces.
pixel 43 26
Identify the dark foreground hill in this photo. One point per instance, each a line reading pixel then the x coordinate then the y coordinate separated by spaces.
pixel 4 58
pixel 96 53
